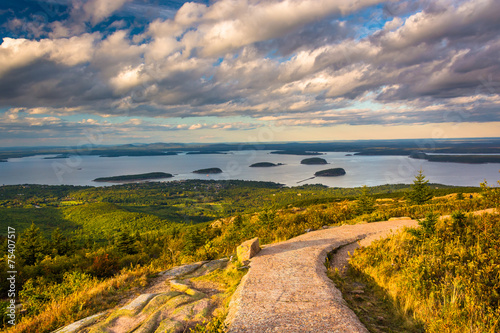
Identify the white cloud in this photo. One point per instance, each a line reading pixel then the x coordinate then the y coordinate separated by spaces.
pixel 98 10
pixel 451 19
pixel 15 53
pixel 228 25
pixel 227 59
pixel 128 78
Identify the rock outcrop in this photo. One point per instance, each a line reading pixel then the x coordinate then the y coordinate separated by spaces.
pixel 177 305
pixel 248 249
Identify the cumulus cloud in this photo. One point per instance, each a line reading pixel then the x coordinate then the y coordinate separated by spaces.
pixel 227 25
pixel 311 62
pixel 15 53
pixel 98 10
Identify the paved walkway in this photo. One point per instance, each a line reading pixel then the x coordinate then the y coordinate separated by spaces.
pixel 287 290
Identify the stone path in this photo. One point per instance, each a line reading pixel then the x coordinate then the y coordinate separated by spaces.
pixel 287 290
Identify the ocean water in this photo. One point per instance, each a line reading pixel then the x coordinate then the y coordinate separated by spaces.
pixel 360 170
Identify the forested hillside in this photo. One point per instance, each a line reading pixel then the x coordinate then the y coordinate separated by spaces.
pixel 74 238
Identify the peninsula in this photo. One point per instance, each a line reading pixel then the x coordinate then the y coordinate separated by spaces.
pixel 134 178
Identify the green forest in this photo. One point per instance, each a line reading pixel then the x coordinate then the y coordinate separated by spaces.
pixel 83 246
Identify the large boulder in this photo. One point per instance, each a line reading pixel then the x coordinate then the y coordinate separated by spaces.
pixel 248 249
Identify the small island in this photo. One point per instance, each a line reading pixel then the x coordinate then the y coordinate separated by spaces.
pixel 3 160
pixel 264 165
pixel 335 172
pixel 208 171
pixel 313 161
pixel 134 178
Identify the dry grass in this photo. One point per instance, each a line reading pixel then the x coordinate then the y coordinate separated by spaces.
pixel 92 298
pixel 448 278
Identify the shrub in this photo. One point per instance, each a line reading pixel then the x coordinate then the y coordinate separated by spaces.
pixel 449 278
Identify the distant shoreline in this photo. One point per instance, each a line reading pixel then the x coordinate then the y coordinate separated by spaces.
pixel 466 159
pixel 296 152
pixel 357 147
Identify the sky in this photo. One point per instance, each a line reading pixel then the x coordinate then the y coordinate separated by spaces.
pixel 141 71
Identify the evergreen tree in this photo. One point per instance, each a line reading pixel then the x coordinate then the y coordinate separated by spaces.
pixel 419 192
pixel 31 245
pixel 193 239
pixel 428 225
pixel 365 203
pixel 60 244
pixel 125 243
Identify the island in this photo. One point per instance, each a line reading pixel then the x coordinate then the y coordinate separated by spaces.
pixel 313 161
pixel 208 171
pixel 296 152
pixel 134 178
pixel 264 165
pixel 330 172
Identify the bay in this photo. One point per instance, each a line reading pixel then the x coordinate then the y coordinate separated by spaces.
pixel 360 170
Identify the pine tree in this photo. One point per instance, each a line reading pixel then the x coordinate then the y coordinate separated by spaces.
pixel 419 192
pixel 193 239
pixel 60 244
pixel 365 203
pixel 125 243
pixel 31 245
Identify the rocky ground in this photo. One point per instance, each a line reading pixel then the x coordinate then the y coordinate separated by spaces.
pixel 173 302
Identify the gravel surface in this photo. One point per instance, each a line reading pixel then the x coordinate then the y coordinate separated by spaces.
pixel 287 289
